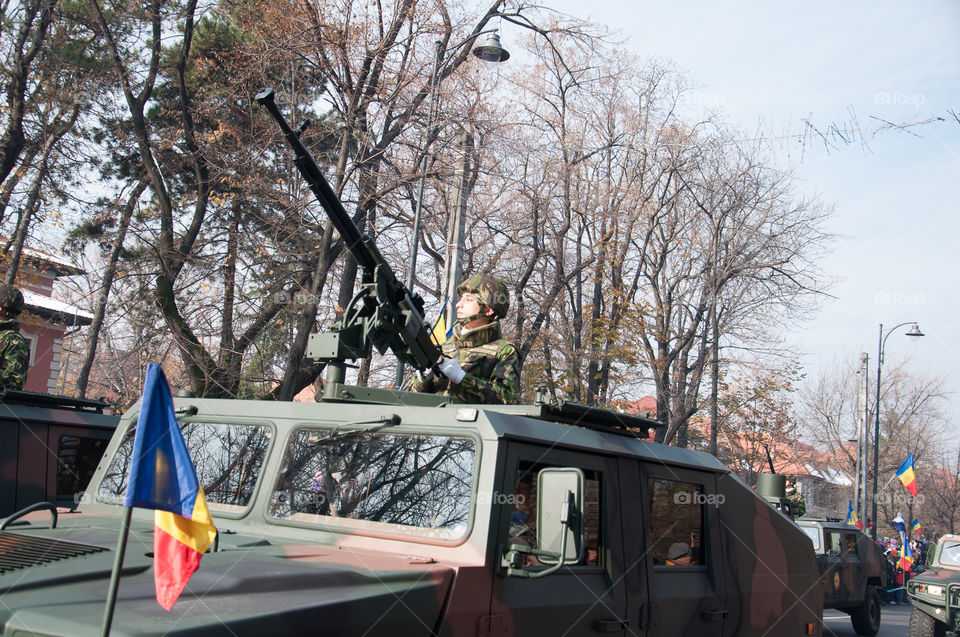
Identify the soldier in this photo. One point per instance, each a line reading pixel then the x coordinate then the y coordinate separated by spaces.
pixel 14 351
pixel 481 366
pixel 680 554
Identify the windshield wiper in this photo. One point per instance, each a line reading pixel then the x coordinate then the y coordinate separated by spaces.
pixel 385 421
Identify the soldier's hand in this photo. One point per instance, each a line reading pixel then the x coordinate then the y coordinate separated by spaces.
pixel 452 370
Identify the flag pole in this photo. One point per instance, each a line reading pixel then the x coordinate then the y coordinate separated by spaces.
pixel 886 485
pixel 115 574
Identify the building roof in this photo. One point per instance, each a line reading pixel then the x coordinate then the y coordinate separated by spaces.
pixel 54 310
pixel 60 266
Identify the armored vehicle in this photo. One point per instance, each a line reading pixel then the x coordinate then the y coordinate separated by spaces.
pixel 935 593
pixel 852 571
pixel 380 512
pixel 367 519
pixel 49 447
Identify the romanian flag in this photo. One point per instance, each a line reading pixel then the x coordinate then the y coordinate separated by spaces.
pixel 163 478
pixel 907 476
pixel 906 557
pixel 443 329
pixel 852 517
pixel 916 526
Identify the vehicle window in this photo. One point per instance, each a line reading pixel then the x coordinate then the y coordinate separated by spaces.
pixel 814 534
pixel 676 523
pixel 411 484
pixel 77 459
pixel 228 459
pixel 950 554
pixel 851 541
pixel 523 516
pixel 832 539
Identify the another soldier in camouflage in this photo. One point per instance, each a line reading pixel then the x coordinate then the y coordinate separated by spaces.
pixel 14 351
pixel 482 366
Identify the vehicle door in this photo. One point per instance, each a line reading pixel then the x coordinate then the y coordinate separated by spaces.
pixel 854 580
pixel 584 598
pixel 815 533
pixel 836 568
pixel 681 517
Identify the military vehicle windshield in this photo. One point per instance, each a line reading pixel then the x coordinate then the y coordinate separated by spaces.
pixel 814 534
pixel 228 459
pixel 950 556
pixel 410 484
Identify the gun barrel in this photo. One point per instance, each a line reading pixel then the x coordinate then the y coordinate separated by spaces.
pixel 402 326
pixel 318 183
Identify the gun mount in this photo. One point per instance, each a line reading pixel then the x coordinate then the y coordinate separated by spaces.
pixel 383 314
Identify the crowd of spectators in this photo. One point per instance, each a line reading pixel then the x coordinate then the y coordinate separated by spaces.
pixel 897 577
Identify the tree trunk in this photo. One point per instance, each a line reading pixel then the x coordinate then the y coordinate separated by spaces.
pixel 295 378
pixel 13 140
pixel 106 283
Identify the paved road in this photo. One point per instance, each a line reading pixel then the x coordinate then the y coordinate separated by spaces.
pixel 894 622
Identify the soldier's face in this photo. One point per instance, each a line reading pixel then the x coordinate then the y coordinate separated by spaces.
pixel 469 306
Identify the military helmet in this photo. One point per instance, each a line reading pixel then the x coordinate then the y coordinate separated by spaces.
pixel 11 299
pixel 489 290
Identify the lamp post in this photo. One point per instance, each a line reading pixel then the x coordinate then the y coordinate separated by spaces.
pixel 862 440
pixel 913 333
pixel 489 50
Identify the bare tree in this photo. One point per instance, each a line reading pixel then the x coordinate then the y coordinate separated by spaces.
pixel 941 507
pixel 756 411
pixel 28 24
pixel 912 421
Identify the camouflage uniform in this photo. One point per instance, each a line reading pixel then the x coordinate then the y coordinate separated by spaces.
pixel 490 361
pixel 14 351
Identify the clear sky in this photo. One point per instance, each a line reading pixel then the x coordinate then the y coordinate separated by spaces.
pixel 770 66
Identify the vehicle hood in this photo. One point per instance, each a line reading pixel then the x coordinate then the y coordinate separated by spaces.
pixel 939 575
pixel 251 586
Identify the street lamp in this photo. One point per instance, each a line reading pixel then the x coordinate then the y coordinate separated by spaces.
pixel 913 333
pixel 862 440
pixel 489 51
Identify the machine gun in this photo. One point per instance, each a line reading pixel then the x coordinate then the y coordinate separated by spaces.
pixel 383 314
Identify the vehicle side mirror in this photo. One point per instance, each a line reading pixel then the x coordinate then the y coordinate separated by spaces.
pixel 559 526
pixel 560 514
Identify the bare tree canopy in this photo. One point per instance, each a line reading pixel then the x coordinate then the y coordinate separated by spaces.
pixel 634 239
pixel 913 420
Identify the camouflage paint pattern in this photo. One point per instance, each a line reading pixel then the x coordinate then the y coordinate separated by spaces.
pixel 301 575
pixel 11 299
pixel 14 355
pixel 490 361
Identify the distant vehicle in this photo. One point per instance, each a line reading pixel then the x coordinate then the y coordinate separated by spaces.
pixel 935 593
pixel 370 519
pixel 49 447
pixel 853 574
